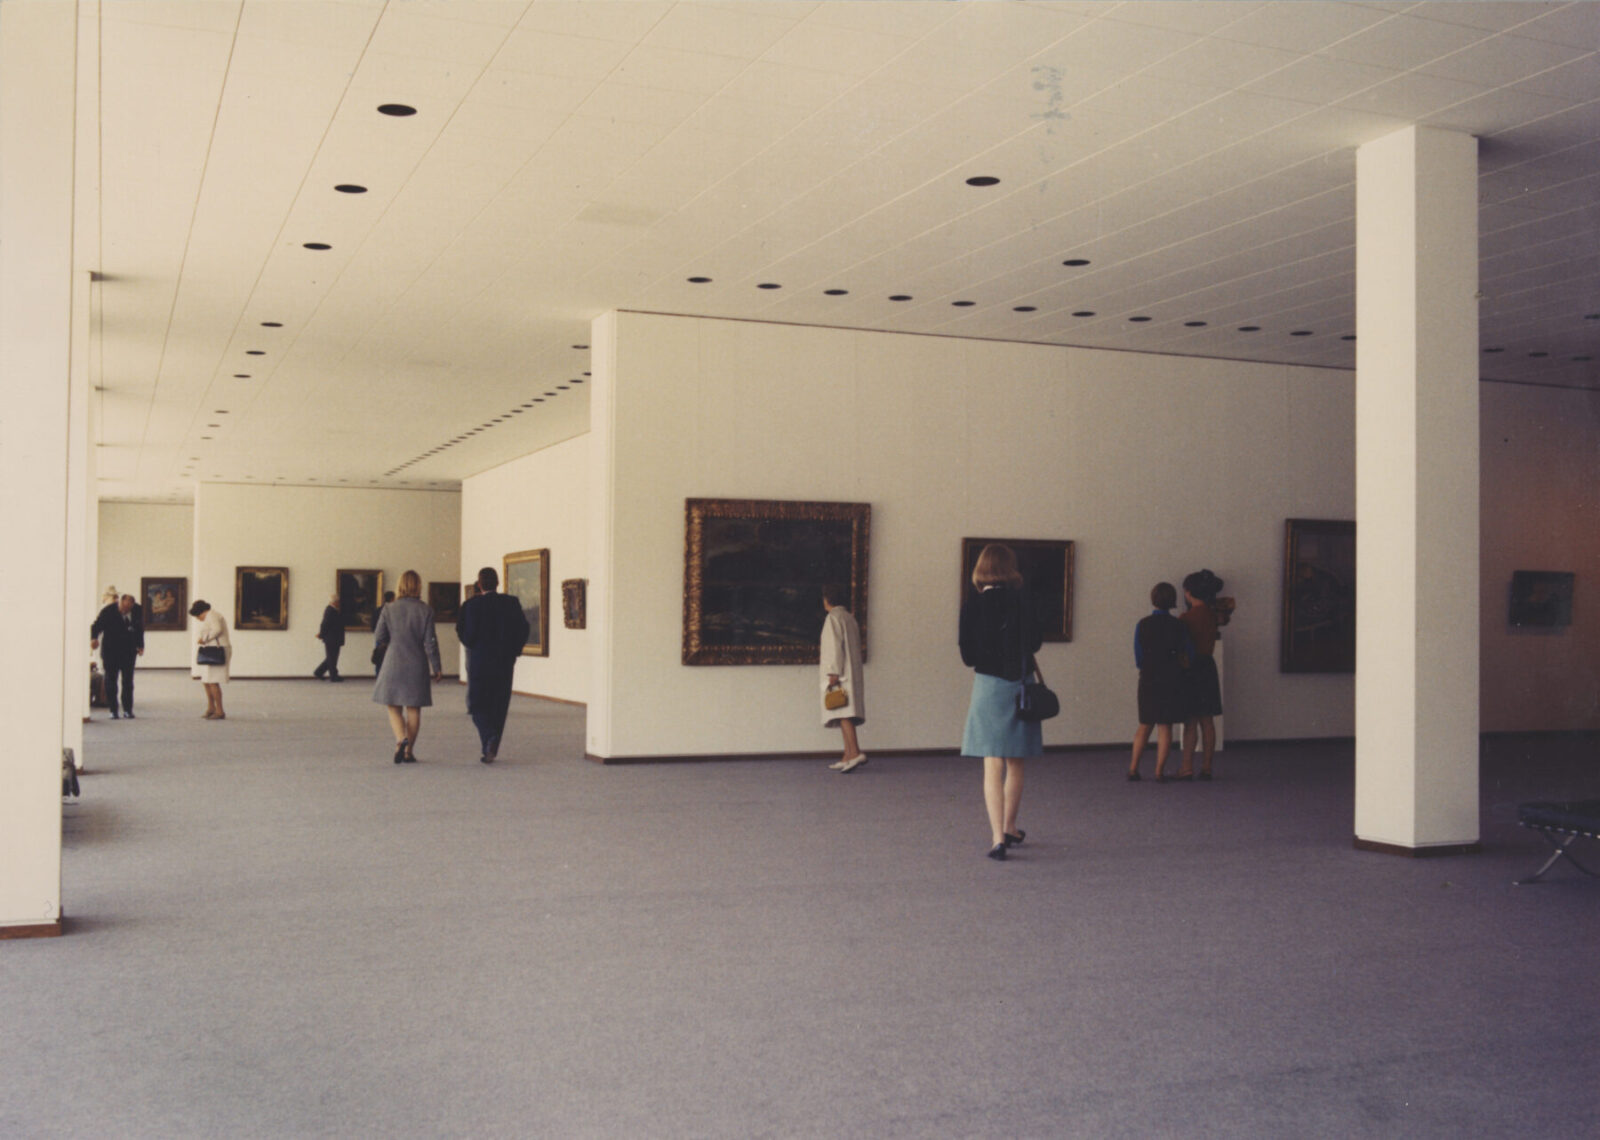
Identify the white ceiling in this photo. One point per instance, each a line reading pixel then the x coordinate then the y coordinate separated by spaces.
pixel 567 158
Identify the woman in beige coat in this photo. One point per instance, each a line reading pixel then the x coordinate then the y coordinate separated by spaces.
pixel 839 662
pixel 213 630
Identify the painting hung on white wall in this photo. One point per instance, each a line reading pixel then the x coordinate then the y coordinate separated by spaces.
pixel 360 594
pixel 753 575
pixel 261 597
pixel 165 602
pixel 444 598
pixel 527 577
pixel 1319 596
pixel 1046 566
pixel 1540 599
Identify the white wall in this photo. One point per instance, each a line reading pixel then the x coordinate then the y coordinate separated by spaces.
pixel 539 501
pixel 315 532
pixel 148 540
pixel 1540 492
pixel 1154 466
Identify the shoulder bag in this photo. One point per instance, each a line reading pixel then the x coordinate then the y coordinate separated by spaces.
pixel 1036 701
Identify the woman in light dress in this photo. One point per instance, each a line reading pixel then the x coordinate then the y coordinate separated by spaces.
pixel 405 637
pixel 839 661
pixel 213 630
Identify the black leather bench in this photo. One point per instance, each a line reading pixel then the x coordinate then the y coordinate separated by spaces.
pixel 1562 824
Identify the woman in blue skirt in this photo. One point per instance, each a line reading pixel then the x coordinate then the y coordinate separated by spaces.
pixel 999 635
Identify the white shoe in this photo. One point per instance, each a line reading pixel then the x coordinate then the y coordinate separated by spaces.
pixel 853 763
pixel 837 765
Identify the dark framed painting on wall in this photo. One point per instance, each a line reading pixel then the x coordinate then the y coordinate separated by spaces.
pixel 360 594
pixel 575 603
pixel 445 600
pixel 1540 599
pixel 1319 597
pixel 165 602
pixel 261 597
pixel 753 573
pixel 1046 566
pixel 526 577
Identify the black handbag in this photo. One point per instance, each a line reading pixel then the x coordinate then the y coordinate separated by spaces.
pixel 211 655
pixel 1036 701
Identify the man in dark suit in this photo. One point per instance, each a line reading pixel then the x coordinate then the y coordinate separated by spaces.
pixel 121 627
pixel 332 637
pixel 493 628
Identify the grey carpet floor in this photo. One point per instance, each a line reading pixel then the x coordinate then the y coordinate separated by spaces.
pixel 273 931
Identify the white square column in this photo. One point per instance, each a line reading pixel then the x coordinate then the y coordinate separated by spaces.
pixel 37 98
pixel 1417 493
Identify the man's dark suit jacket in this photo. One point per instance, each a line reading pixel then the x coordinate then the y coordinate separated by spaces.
pixel 494 630
pixel 119 640
pixel 332 627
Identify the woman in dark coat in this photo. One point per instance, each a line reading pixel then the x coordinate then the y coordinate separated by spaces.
pixel 411 659
pixel 1202 687
pixel 1162 651
pixel 999 635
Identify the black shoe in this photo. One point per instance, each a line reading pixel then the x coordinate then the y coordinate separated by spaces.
pixel 492 753
pixel 318 677
pixel 1133 777
pixel 409 752
pixel 1014 840
pixel 129 714
pixel 1205 775
pixel 400 753
pixel 115 715
pixel 336 680
pixel 998 851
pixel 1163 779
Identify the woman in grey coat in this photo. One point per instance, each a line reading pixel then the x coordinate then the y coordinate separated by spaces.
pixel 410 660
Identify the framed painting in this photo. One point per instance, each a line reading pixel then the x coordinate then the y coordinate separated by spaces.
pixel 1540 599
pixel 261 597
pixel 165 602
pixel 360 594
pixel 1046 565
pixel 575 603
pixel 445 600
pixel 526 576
pixel 1319 597
pixel 753 573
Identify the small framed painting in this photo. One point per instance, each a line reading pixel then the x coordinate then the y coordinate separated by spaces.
pixel 1540 599
pixel 574 603
pixel 1046 566
pixel 261 597
pixel 445 600
pixel 1319 596
pixel 360 594
pixel 165 602
pixel 526 577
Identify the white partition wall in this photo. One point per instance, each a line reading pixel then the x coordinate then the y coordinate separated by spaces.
pixel 1154 466
pixel 315 532
pixel 538 502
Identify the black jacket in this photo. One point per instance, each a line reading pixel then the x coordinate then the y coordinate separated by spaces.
pixel 332 631
pixel 120 639
pixel 494 630
pixel 1000 632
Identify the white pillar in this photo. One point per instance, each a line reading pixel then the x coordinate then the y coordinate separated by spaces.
pixel 602 541
pixel 37 98
pixel 1417 493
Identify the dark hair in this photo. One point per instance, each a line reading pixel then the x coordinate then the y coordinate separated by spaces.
pixel 388 595
pixel 200 606
pixel 836 594
pixel 1204 585
pixel 489 578
pixel 1163 596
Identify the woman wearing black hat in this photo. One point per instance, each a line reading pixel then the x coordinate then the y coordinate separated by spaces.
pixel 1202 688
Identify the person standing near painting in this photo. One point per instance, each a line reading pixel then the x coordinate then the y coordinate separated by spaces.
pixel 1202 687
pixel 494 629
pixel 211 641
pixel 843 684
pixel 1162 651
pixel 332 637
pixel 120 626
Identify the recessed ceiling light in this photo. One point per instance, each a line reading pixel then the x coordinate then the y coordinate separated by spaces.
pixel 241 375
pixel 1076 261
pixel 588 373
pixel 316 245
pixel 398 110
pixel 538 399
pixel 901 297
pixel 272 324
pixel 1249 328
pixel 580 347
pixel 255 352
pixel 1084 313
pixel 205 437
pixel 963 304
pixel 1194 324
pixel 1591 316
pixel 699 280
pixel 983 180
pixel 213 425
pixel 1301 332
pixel 1348 336
pixel 579 379
pixel 1582 359
pixel 1138 320
pixel 1025 309
pixel 1494 350
pixel 769 285
pixel 836 292
pixel 220 412
pixel 549 393
pixel 1536 355
pixel 350 188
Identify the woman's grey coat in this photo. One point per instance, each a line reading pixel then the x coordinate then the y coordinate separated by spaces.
pixel 406 627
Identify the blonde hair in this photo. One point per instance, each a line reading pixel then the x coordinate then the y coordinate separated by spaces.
pixel 997 566
pixel 410 585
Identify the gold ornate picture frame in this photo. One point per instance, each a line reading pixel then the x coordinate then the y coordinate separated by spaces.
pixel 360 594
pixel 261 597
pixel 526 576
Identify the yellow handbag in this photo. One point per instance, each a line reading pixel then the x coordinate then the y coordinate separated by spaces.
pixel 835 697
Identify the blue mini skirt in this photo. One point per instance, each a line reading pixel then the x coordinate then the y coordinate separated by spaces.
pixel 992 725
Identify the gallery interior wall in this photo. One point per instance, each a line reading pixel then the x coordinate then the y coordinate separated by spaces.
pixel 1154 466
pixel 314 532
pixel 1540 494
pixel 148 540
pixel 537 502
